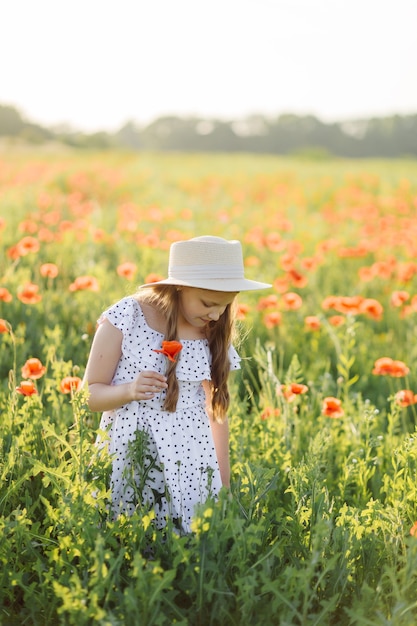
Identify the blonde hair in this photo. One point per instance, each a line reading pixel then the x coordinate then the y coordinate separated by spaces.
pixel 220 335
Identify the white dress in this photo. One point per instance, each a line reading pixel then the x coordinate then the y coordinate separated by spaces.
pixel 162 460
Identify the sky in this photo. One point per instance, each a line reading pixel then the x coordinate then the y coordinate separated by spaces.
pixel 95 64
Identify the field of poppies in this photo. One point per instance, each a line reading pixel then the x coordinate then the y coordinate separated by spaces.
pixel 320 526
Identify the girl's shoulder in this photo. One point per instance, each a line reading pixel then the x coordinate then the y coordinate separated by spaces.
pixel 123 312
pixel 130 312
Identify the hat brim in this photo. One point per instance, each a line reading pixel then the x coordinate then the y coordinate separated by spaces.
pixel 219 284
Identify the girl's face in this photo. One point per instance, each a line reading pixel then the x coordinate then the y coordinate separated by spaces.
pixel 199 307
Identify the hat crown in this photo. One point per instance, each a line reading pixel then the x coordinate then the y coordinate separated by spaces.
pixel 206 257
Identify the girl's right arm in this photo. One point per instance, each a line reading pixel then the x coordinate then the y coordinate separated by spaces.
pixel 105 354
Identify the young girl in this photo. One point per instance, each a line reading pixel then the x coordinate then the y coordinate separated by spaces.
pixel 158 371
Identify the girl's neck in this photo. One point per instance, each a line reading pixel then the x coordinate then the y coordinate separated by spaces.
pixel 156 320
pixel 186 331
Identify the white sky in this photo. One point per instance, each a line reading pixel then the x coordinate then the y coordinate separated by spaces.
pixel 97 63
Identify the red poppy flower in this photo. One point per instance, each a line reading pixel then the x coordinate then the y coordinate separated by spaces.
pixel 267 302
pixel 413 530
pixel 268 412
pixel 291 390
pixel 292 301
pixel 4 326
pixel 312 322
pixel 85 283
pixel 5 295
pixel 332 407
pixel 281 284
pixel 383 269
pixel 273 241
pixel 405 397
pixel 126 270
pixel 27 388
pixel 352 252
pixel 153 278
pixel 366 274
pixel 330 302
pixel 49 270
pixel 272 319
pixel 170 349
pixel 349 304
pixel 406 271
pixel 33 369
pixel 399 297
pixel 297 279
pixel 385 366
pixel 242 311
pixel 287 261
pixel 70 384
pixel 13 253
pixel 28 294
pixel 310 263
pixel 337 320
pixel 372 308
pixel 27 245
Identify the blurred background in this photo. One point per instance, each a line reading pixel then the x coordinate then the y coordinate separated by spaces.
pixel 314 77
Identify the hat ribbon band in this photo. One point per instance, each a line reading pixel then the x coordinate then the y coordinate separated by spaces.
pixel 205 271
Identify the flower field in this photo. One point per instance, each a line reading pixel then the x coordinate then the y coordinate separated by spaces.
pixel 320 526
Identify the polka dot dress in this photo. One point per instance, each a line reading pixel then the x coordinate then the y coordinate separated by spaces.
pixel 161 460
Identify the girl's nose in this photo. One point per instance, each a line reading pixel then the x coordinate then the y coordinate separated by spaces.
pixel 214 315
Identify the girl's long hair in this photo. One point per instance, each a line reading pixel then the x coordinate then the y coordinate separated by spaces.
pixel 220 335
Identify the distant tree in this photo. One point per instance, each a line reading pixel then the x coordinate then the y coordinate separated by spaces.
pixel 387 137
pixel 95 141
pixel 11 122
pixel 129 136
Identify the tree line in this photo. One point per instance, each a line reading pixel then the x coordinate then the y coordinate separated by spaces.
pixel 287 134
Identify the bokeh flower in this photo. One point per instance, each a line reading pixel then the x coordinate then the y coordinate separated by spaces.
pixel 126 270
pixel 291 390
pixel 272 319
pixel 372 308
pixel 405 397
pixel 269 412
pixel 312 322
pixel 70 384
pixel 153 278
pixel 5 295
pixel 28 294
pixel 49 270
pixel 33 369
pixel 337 320
pixel 27 388
pixel 267 302
pixel 242 310
pixel 4 326
pixel 27 245
pixel 292 301
pixel 332 407
pixel 85 283
pixel 385 366
pixel 399 297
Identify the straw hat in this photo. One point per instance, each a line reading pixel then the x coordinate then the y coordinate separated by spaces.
pixel 208 263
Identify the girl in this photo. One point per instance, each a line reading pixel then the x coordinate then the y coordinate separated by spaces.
pixel 158 371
